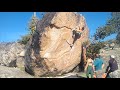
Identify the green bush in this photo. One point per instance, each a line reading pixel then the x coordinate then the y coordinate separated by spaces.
pixel 86 43
pixel 95 48
pixel 24 39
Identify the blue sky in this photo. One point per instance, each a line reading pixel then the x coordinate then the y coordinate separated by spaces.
pixel 14 24
pixel 95 20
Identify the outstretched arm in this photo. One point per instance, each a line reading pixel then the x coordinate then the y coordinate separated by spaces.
pixel 84 54
pixel 86 66
pixel 103 66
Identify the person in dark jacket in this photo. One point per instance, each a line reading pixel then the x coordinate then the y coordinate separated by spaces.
pixel 112 68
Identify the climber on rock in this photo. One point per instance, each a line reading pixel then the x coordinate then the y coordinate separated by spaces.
pixel 76 35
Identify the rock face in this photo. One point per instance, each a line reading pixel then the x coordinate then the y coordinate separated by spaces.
pixel 10 72
pixel 49 51
pixel 9 54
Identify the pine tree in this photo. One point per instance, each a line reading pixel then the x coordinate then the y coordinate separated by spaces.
pixel 112 26
pixel 33 23
pixel 32 27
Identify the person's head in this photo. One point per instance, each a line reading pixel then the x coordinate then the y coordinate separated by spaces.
pixel 89 56
pixel 97 55
pixel 74 31
pixel 112 57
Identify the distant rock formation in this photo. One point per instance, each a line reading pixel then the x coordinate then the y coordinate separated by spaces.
pixel 49 51
pixel 10 54
pixel 10 72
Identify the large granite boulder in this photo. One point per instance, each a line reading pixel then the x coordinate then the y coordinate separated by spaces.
pixel 49 51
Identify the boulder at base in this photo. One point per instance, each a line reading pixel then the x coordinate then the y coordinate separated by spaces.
pixel 10 72
pixel 9 54
pixel 49 51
